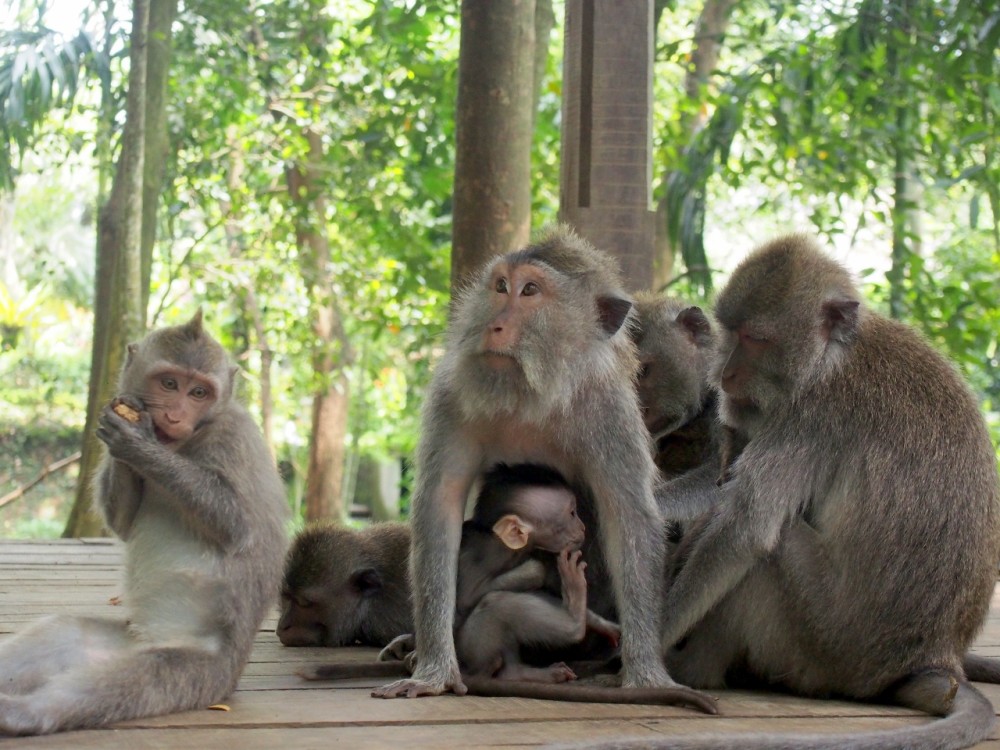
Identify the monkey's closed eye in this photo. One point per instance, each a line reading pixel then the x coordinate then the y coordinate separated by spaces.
pixel 644 371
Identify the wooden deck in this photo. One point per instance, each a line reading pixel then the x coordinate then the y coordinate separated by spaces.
pixel 273 708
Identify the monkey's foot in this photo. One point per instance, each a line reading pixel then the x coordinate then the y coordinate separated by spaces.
pixel 412 688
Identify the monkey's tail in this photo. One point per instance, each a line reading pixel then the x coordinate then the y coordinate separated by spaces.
pixel 664 696
pixel 970 720
pixel 982 668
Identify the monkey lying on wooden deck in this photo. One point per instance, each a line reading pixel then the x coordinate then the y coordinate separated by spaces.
pixel 523 528
pixel 192 490
pixel 344 586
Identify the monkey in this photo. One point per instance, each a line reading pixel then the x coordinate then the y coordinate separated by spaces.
pixel 344 586
pixel 539 368
pixel 524 525
pixel 501 604
pixel 814 572
pixel 192 490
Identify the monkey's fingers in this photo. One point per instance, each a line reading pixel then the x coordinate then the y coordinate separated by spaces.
pixel 416 689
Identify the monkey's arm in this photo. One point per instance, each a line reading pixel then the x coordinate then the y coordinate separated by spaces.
pixel 197 485
pixel 745 528
pixel 528 576
pixel 691 494
pixel 117 494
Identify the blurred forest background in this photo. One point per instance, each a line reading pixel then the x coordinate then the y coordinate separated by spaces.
pixel 298 171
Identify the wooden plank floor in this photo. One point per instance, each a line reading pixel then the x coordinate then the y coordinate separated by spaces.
pixel 273 708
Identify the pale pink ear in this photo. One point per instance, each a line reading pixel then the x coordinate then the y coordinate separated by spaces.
pixel 513 531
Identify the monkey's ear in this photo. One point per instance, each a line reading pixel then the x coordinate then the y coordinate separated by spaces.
pixel 230 385
pixel 513 531
pixel 366 581
pixel 611 312
pixel 840 320
pixel 130 351
pixel 695 322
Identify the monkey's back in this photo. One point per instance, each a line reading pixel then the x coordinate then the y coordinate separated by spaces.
pixel 910 475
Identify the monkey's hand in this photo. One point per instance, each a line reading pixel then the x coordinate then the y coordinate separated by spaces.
pixel 574 586
pixel 425 681
pixel 399 648
pixel 124 437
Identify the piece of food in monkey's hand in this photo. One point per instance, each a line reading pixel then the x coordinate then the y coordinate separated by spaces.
pixel 126 412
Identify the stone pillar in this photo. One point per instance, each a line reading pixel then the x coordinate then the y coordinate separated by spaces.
pixel 607 175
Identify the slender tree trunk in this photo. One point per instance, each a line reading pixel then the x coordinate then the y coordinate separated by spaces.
pixel 161 19
pixel 709 34
pixel 117 317
pixel 232 209
pixel 332 354
pixel 905 228
pixel 493 121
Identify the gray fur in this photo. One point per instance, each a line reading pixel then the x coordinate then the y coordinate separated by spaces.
pixel 203 525
pixel 346 586
pixel 567 401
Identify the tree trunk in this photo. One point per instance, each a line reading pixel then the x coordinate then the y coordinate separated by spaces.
pixel 709 33
pixel 161 19
pixel 493 120
pixel 232 210
pixel 332 354
pixel 117 313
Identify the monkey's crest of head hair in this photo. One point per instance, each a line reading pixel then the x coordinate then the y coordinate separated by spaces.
pixel 187 344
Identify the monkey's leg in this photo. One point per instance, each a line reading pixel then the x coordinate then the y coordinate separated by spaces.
pixel 488 643
pixel 54 645
pixel 132 683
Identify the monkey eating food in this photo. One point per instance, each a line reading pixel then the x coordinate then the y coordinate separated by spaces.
pixel 344 586
pixel 190 487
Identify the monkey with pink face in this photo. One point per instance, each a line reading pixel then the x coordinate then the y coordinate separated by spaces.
pixel 190 487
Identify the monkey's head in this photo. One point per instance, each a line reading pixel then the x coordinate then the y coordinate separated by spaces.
pixel 789 316
pixel 674 342
pixel 335 582
pixel 182 376
pixel 536 321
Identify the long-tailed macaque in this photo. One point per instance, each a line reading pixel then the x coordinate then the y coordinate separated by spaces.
pixel 191 488
pixel 344 586
pixel 854 550
pixel 538 369
pixel 524 514
pixel 524 531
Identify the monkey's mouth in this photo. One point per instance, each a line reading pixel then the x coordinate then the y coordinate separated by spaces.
pixel 662 425
pixel 496 360
pixel 162 437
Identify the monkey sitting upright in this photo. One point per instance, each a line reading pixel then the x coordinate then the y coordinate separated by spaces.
pixel 190 486
pixel 853 552
pixel 344 586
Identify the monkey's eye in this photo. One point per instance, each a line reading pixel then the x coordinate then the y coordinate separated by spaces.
pixel 199 393
pixel 643 371
pixel 530 289
pixel 501 286
pixel 752 338
pixel 169 384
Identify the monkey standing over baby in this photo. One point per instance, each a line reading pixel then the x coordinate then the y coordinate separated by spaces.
pixel 853 552
pixel 190 487
pixel 538 369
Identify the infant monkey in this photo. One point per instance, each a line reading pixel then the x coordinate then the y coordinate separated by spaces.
pixel 506 596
